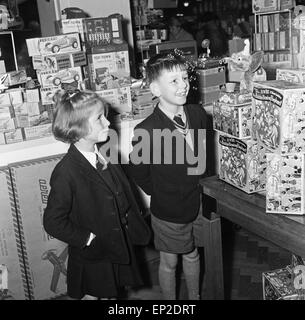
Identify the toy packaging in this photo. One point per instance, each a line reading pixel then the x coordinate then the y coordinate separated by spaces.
pixel 264 6
pixel 109 70
pixel 65 26
pixel 291 75
pixel 56 78
pixel 278 116
pixel 119 99
pixel 279 285
pixel 60 61
pixel 67 43
pixel 285 183
pixel 234 120
pixel 235 97
pixel 242 163
pixel 103 31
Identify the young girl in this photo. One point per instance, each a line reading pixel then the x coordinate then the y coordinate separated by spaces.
pixel 90 205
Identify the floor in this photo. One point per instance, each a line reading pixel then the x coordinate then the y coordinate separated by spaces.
pixel 245 258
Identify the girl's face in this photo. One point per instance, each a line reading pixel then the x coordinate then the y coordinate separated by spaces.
pixel 98 126
pixel 172 87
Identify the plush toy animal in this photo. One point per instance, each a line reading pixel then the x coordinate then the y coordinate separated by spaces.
pixel 248 64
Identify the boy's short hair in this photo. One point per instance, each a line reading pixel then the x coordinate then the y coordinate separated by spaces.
pixel 71 114
pixel 163 61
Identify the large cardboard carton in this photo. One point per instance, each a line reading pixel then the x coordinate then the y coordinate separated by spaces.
pixel 242 163
pixel 234 120
pixel 278 116
pixel 285 183
pixel 45 257
pixel 11 243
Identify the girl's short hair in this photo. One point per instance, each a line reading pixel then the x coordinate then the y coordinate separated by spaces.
pixel 71 114
pixel 163 61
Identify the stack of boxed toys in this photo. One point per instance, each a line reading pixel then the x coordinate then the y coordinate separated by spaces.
pixel 57 61
pixel 285 283
pixel 242 161
pixel 279 125
pixel 108 70
pixel 22 116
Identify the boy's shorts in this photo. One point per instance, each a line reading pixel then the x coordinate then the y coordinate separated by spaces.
pixel 175 237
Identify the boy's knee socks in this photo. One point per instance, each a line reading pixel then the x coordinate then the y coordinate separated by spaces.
pixel 167 280
pixel 191 269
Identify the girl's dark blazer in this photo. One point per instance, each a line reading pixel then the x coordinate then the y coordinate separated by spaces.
pixel 175 194
pixel 80 202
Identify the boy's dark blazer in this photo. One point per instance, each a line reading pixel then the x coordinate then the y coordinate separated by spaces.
pixel 80 202
pixel 174 193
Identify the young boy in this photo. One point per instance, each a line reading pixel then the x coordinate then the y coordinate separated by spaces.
pixel 167 171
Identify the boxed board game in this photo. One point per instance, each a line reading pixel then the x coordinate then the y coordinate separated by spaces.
pixel 242 163
pixel 285 183
pixel 278 117
pixel 234 120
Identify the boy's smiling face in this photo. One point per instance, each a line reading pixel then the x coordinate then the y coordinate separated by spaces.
pixel 171 87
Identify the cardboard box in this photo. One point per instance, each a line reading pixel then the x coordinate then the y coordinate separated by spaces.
pixel 279 284
pixel 209 95
pixel 56 78
pixel 11 242
pixel 235 97
pixel 45 257
pixel 119 99
pixel 278 116
pixel 291 75
pixel 264 6
pixel 103 31
pixel 13 78
pixel 242 163
pixel 109 70
pixel 211 77
pixel 60 61
pixel 285 183
pixel 65 26
pixel 47 95
pixel 234 120
pixel 13 136
pixel 67 43
pixel 37 132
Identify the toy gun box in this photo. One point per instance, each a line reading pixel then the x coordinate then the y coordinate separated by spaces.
pixel 278 118
pixel 285 184
pixel 242 163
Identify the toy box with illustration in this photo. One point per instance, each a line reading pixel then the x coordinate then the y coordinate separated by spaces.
pixel 271 5
pixel 13 284
pixel 285 183
pixel 211 77
pixel 234 120
pixel 103 31
pixel 235 97
pixel 45 257
pixel 60 61
pixel 118 99
pixel 291 75
pixel 279 284
pixel 47 95
pixel 278 116
pixel 242 163
pixel 109 70
pixel 13 78
pixel 56 78
pixel 67 43
pixel 65 26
